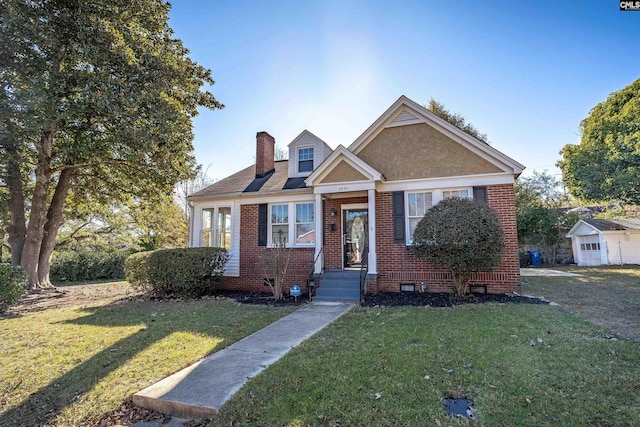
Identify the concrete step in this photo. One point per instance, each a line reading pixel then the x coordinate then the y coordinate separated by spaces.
pixel 339 285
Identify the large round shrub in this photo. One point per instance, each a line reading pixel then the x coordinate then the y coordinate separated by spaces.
pixel 462 235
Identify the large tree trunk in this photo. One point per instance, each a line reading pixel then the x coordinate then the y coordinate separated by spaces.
pixel 54 219
pixel 38 212
pixel 17 227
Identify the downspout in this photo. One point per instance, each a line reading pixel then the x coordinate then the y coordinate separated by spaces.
pixel 620 252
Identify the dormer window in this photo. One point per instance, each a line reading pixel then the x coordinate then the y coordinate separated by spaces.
pixel 305 159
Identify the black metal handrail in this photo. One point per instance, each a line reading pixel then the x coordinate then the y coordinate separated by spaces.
pixel 310 277
pixel 364 269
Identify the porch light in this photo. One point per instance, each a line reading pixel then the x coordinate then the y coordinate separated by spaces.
pixel 332 212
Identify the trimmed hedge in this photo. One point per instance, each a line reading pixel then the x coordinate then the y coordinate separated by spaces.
pixel 13 282
pixel 87 265
pixel 189 272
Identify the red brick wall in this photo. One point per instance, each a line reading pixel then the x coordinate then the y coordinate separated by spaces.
pixel 333 258
pixel 396 263
pixel 251 273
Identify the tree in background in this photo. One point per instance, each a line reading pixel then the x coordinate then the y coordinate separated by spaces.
pixel 280 153
pixel 455 119
pixel 542 220
pixel 472 240
pixel 160 225
pixel 95 97
pixel 605 166
pixel 187 187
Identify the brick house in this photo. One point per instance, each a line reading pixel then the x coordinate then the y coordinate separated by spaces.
pixel 353 208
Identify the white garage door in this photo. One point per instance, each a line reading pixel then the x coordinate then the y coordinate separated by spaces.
pixel 589 247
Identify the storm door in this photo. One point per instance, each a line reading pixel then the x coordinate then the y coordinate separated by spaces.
pixel 354 237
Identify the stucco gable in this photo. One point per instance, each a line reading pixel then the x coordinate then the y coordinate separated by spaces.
pixel 407 113
pixel 343 172
pixel 419 151
pixel 339 156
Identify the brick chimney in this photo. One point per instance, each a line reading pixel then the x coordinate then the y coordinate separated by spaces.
pixel 265 146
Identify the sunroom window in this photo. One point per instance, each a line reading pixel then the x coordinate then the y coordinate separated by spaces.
pixel 216 227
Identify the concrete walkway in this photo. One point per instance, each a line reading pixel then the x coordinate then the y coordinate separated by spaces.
pixel 201 389
pixel 545 272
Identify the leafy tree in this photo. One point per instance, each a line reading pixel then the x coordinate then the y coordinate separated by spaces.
pixel 160 225
pixel 455 119
pixel 464 236
pixel 95 97
pixel 605 165
pixel 540 216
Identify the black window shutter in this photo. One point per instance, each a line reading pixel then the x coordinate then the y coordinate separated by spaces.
pixel 480 194
pixel 262 224
pixel 398 217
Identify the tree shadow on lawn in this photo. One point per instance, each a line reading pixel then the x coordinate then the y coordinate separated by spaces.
pixel 43 406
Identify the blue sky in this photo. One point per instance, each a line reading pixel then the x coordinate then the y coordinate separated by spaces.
pixel 524 73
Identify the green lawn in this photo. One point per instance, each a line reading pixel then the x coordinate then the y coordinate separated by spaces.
pixel 605 296
pixel 71 365
pixel 576 377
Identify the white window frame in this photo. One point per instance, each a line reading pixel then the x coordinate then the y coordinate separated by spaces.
pixel 313 159
pixel 215 231
pixel 274 224
pixel 291 225
pixel 437 195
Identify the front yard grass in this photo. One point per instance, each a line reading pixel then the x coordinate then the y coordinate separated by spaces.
pixel 70 365
pixel 414 357
pixel 606 296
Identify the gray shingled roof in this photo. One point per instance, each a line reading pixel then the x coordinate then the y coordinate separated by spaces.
pixel 630 224
pixel 237 183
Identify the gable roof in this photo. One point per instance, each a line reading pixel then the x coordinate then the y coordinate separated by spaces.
pixel 405 111
pixel 604 225
pixel 306 133
pixel 245 182
pixel 341 154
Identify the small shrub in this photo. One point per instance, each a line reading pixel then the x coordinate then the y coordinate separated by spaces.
pixel 87 265
pixel 275 262
pixel 189 272
pixel 13 282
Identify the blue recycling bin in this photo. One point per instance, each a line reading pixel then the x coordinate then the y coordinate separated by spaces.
pixel 536 257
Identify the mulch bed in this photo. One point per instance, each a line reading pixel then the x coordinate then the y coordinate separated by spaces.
pixel 387 299
pixel 262 298
pixel 443 299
